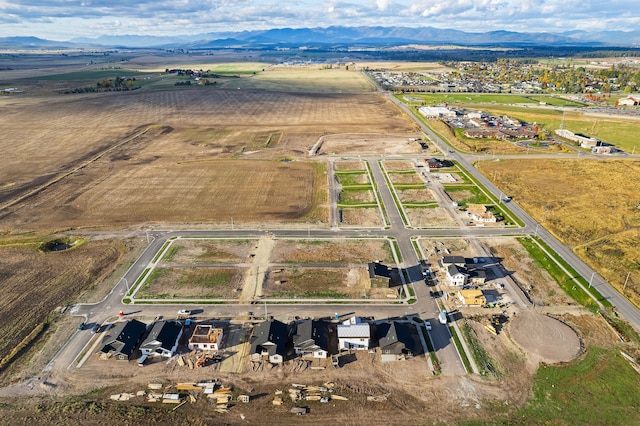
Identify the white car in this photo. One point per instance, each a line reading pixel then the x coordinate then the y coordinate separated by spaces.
pixel 184 312
pixel 427 325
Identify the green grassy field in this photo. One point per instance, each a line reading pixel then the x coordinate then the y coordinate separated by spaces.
pixel 468 99
pixel 599 389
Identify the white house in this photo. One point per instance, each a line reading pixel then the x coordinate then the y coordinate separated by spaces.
pixel 354 334
pixel 163 339
pixel 433 113
pixel 456 275
pixel 628 101
pixel 311 339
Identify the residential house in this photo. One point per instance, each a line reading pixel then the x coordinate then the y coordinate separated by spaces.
pixel 602 149
pixel 311 339
pixel 456 275
pixel 397 340
pixel 477 276
pixel 206 338
pixel 472 297
pixel 163 339
pixel 382 276
pixel 269 340
pixel 452 260
pixel 628 101
pixel 122 339
pixel 480 213
pixel 354 334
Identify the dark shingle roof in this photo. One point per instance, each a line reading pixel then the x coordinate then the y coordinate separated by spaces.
pixel 124 337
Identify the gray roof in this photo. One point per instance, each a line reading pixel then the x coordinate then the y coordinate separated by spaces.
pixel 124 337
pixel 164 334
pixel 399 337
pixel 454 270
pixel 270 336
pixel 311 335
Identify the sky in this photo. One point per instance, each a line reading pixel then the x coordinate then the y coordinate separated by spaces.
pixel 66 19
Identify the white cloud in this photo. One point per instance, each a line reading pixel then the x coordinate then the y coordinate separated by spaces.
pixel 166 17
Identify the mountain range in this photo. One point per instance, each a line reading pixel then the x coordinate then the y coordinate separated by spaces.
pixel 341 36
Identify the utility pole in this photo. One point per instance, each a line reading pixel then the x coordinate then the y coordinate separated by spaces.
pixel 591 279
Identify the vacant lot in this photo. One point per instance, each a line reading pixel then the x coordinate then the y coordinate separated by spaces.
pixel 361 217
pixel 590 205
pixel 192 283
pixel 200 251
pixel 35 283
pixel 342 251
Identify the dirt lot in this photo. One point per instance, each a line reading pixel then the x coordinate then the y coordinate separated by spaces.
pixel 35 283
pixel 350 166
pixel 342 251
pixel 369 143
pixel 314 283
pixel 555 192
pixel 416 195
pixel 362 217
pixel 438 217
pixel 192 283
pixel 198 251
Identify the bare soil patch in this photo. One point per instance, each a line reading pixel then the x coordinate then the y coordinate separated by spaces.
pixel 340 251
pixel 355 197
pixel 208 192
pixel 416 195
pixel 398 165
pixel 406 178
pixel 544 338
pixel 438 217
pixel 208 251
pixel 367 143
pixel 350 166
pixel 332 283
pixel 365 217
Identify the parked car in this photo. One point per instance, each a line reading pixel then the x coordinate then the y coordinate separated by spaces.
pixel 427 325
pixel 184 312
pixel 95 328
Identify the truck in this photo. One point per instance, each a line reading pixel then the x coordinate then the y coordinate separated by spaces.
pixel 442 317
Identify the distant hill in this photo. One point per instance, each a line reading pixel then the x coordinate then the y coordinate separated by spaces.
pixel 370 36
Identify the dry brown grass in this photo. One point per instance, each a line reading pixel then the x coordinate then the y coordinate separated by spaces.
pixel 198 251
pixel 591 205
pixel 34 283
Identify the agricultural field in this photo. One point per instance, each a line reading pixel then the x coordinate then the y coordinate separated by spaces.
pixel 61 165
pixel 34 283
pixel 555 193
